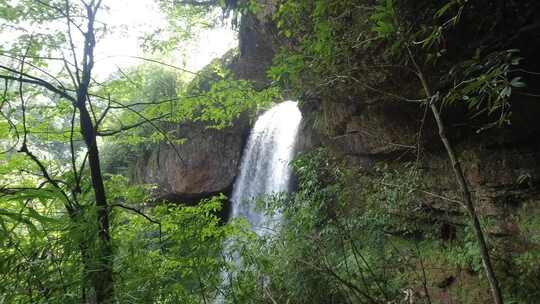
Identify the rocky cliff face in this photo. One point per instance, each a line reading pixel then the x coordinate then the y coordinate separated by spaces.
pixel 207 162
pixel 256 44
pixel 502 164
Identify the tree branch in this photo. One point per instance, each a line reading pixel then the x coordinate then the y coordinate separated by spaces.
pixel 125 128
pixel 462 182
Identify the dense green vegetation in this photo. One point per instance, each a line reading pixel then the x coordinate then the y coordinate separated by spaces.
pixel 352 237
pixel 75 229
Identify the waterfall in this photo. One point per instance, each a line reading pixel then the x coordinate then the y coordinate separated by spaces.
pixel 264 168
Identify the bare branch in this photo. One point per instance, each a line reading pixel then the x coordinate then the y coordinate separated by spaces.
pixel 165 135
pixel 73 155
pixel 136 211
pixel 104 112
pixel 62 13
pixel 12 125
pixel 462 182
pixel 143 215
pixel 126 128
pixel 36 68
pixel 26 78
pixel 197 3
pixel 158 62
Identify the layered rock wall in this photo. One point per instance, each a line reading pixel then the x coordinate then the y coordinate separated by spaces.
pixel 207 162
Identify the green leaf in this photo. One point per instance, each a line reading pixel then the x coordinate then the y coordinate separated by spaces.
pixel 517 83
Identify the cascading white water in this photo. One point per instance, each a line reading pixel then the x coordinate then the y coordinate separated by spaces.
pixel 264 168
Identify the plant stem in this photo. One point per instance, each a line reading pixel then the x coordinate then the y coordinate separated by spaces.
pixel 460 177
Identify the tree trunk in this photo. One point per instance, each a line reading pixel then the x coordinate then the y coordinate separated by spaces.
pixel 458 171
pixel 102 278
pixel 466 194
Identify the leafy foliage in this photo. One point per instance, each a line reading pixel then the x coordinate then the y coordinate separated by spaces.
pixel 179 260
pixel 217 99
pixel 55 216
pixel 347 236
pixel 483 83
pixel 333 246
pixel 356 237
pixel 340 49
pixel 177 257
pixel 321 51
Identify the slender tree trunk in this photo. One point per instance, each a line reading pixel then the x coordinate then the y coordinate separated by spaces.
pixel 102 277
pixel 98 268
pixel 458 171
pixel 466 194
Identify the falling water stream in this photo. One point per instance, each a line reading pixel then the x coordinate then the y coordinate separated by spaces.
pixel 264 168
